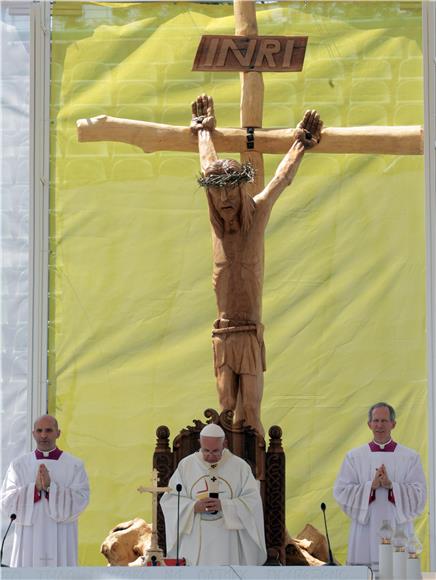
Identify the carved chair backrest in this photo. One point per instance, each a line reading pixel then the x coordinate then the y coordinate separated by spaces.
pixel 268 467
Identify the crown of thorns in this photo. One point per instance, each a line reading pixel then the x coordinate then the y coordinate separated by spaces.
pixel 230 177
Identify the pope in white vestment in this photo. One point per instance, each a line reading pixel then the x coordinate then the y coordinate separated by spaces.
pixel 401 499
pixel 233 534
pixel 45 532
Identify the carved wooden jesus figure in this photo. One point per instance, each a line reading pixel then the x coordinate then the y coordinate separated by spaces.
pixel 238 231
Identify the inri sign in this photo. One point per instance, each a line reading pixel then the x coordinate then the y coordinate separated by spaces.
pixel 250 53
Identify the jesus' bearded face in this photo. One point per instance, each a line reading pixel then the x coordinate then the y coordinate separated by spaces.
pixel 227 201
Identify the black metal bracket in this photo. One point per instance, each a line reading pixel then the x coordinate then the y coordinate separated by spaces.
pixel 250 137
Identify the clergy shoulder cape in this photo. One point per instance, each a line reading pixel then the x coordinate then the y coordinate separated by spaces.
pixel 352 491
pixel 45 528
pixel 234 535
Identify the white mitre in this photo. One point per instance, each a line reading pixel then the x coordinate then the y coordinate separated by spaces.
pixel 212 430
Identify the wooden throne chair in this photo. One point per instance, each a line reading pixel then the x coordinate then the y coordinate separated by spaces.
pixel 268 466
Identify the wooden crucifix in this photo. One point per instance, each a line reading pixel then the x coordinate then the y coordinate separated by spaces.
pixel 238 242
pixel 154 489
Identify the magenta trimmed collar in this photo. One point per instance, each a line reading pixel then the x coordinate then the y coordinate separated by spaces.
pixel 53 454
pixel 388 447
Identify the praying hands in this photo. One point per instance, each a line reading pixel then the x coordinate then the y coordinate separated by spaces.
pixel 381 478
pixel 42 482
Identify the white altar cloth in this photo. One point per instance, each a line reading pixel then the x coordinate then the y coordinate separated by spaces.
pixel 191 573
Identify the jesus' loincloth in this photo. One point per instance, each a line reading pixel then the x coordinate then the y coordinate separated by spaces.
pixel 239 345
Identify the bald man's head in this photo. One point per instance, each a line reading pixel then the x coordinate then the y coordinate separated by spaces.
pixel 45 432
pixel 49 417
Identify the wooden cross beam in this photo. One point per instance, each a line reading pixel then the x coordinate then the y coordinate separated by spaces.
pixel 151 137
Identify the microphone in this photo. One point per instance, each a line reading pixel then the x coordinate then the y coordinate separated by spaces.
pixel 178 489
pixel 12 518
pixel 331 562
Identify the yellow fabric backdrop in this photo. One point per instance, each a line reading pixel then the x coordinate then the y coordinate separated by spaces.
pixel 131 302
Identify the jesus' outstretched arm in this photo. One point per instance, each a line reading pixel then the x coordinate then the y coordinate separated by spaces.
pixel 203 123
pixel 308 135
